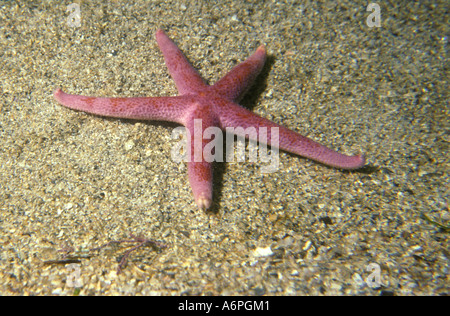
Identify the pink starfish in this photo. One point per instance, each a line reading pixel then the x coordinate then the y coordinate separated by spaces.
pixel 215 106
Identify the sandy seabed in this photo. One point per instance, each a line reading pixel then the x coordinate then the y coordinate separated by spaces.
pixel 70 180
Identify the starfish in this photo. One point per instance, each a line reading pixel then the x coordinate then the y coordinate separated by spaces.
pixel 216 106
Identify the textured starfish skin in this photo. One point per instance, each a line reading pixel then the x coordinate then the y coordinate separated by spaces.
pixel 216 107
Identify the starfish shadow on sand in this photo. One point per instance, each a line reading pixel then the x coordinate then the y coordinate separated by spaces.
pixel 250 102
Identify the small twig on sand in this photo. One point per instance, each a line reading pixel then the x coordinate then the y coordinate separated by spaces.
pixel 69 255
pixel 142 242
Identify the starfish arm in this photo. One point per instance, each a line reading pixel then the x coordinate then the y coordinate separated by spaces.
pixel 200 177
pixel 142 108
pixel 186 78
pixel 234 116
pixel 200 170
pixel 236 83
